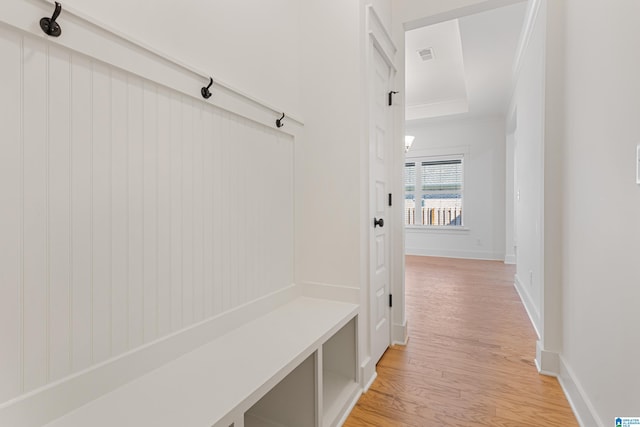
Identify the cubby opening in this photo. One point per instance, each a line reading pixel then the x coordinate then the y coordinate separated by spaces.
pixel 291 403
pixel 339 367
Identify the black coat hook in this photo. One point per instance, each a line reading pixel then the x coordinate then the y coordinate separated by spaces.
pixel 205 90
pixel 49 25
pixel 279 123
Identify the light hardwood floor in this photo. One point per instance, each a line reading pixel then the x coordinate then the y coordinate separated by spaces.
pixel 469 360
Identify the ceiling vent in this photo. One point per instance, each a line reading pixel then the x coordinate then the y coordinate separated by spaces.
pixel 426 54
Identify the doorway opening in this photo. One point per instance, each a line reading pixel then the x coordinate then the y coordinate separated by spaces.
pixel 459 187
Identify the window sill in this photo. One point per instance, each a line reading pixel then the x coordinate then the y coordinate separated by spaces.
pixel 437 228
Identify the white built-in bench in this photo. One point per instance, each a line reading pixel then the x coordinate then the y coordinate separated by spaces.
pixel 295 366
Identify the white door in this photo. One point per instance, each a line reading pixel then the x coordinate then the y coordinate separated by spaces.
pixel 380 164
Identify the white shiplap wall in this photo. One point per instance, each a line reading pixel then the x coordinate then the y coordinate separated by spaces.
pixel 128 211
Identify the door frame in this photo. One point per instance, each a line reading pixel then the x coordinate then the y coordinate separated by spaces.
pixel 377 37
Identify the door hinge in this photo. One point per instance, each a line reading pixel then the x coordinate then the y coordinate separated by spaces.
pixel 390 300
pixel 390 200
pixel 393 92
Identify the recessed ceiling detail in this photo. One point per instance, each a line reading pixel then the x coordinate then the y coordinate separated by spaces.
pixel 435 87
pixel 472 72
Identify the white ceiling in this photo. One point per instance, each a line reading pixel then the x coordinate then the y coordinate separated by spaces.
pixel 472 70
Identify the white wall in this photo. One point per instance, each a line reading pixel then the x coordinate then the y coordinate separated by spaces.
pixel 328 167
pixel 601 274
pixel 132 213
pixel 510 197
pixel 251 45
pixel 529 137
pixel 482 141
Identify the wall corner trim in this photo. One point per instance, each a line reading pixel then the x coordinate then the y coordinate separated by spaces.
pixel 527 30
pixel 400 333
pixel 547 362
pixel 368 374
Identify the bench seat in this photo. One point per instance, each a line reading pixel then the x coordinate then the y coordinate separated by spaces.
pixel 215 384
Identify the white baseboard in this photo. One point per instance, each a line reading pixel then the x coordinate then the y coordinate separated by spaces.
pixel 582 407
pixel 54 400
pixel 510 259
pixel 529 306
pixel 350 407
pixel 330 292
pixel 547 362
pixel 368 374
pixel 445 253
pixel 400 334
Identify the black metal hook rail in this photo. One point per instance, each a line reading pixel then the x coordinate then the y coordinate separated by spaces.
pixel 52 28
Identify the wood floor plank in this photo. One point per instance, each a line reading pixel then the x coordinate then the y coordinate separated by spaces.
pixel 469 360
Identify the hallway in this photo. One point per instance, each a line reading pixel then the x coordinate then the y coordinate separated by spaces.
pixel 469 360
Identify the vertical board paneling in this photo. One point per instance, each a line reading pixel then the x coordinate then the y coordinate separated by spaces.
pixel 198 215
pixel 176 211
pixel 245 141
pixel 233 172
pixel 136 212
pixel 59 213
pixel 150 209
pixel 129 212
pixel 164 212
pixel 81 258
pixel 119 214
pixel 10 215
pixel 260 151
pixel 225 206
pixel 35 253
pixel 101 218
pixel 187 211
pixel 217 162
pixel 207 211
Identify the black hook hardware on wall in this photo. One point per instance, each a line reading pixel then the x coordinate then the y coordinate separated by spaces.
pixel 49 25
pixel 393 92
pixel 205 90
pixel 279 123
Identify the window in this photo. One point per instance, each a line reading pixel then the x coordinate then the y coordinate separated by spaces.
pixel 433 185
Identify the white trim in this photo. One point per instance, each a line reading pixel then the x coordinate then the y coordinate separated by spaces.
pixel 350 407
pixel 530 19
pixel 638 164
pixel 90 37
pixel 58 398
pixel 461 151
pixel 97 23
pixel 458 13
pixel 368 374
pixel 525 36
pixel 510 259
pixel 582 406
pixel 349 294
pixel 400 334
pixel 447 253
pixel 547 362
pixel 439 229
pixel 381 38
pixel 529 306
